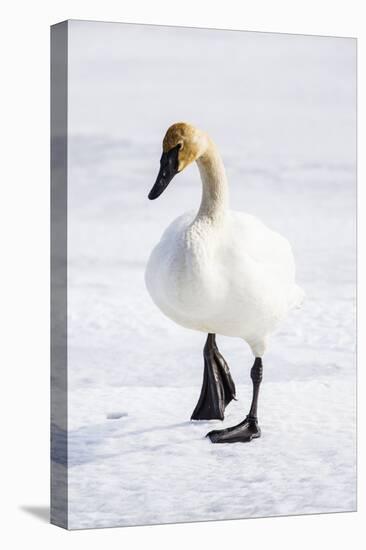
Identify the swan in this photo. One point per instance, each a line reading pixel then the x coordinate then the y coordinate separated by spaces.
pixel 219 271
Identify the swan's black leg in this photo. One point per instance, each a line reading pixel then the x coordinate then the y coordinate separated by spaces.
pixel 218 388
pixel 248 429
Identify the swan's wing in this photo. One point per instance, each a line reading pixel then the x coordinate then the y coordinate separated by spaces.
pixel 261 243
pixel 265 260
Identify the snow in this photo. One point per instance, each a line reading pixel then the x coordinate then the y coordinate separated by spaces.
pixel 165 470
pixel 282 111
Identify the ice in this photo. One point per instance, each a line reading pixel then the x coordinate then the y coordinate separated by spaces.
pixel 282 110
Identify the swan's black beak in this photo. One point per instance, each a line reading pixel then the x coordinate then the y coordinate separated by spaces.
pixel 168 169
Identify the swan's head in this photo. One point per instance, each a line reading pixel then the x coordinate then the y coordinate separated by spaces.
pixel 182 144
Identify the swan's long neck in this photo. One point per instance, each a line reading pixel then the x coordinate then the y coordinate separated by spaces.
pixel 215 199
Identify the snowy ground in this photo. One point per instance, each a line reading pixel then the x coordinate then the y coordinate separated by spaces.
pixel 135 459
pixel 284 118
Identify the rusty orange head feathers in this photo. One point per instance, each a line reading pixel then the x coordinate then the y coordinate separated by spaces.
pixel 182 144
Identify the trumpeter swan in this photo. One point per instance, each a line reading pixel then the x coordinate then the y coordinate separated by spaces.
pixel 219 272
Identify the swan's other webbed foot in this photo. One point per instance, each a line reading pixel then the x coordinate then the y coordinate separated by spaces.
pixel 248 429
pixel 243 432
pixel 218 388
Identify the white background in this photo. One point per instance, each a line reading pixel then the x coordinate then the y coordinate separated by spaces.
pixel 25 270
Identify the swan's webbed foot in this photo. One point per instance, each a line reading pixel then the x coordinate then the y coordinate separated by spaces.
pixel 243 432
pixel 218 388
